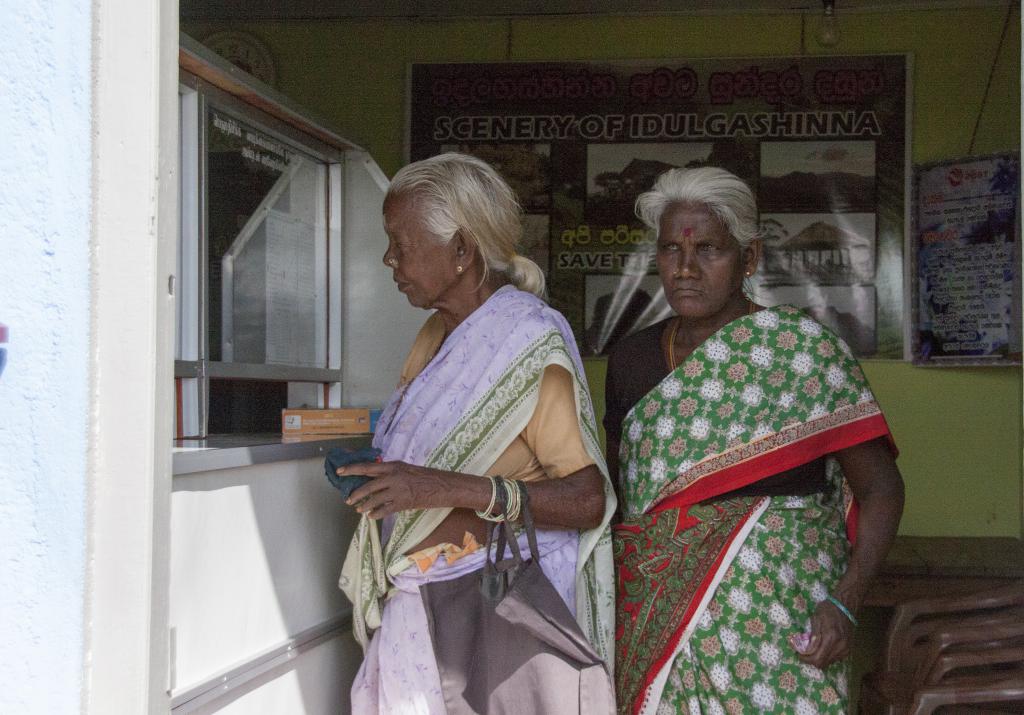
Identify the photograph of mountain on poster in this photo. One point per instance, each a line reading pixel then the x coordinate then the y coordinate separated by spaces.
pixel 817 176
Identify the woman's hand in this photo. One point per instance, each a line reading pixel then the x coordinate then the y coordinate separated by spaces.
pixel 831 637
pixel 397 486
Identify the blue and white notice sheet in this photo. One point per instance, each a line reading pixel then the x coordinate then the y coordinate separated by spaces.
pixel 966 259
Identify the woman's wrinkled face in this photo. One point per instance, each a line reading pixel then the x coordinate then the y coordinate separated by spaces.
pixel 700 264
pixel 420 264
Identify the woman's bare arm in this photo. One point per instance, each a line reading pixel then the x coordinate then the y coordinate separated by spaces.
pixel 878 488
pixel 575 501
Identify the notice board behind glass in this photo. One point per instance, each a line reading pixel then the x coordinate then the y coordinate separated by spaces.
pixel 267 248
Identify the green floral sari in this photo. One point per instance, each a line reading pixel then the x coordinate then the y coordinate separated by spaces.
pixel 711 587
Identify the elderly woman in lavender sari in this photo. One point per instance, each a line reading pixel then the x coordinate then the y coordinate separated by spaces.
pixel 493 386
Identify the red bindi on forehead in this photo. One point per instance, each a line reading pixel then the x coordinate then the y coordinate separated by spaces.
pixel 688 231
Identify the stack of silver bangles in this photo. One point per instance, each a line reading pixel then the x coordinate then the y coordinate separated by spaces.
pixel 513 498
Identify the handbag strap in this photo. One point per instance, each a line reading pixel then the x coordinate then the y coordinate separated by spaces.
pixel 504 528
pixel 505 534
pixel 527 516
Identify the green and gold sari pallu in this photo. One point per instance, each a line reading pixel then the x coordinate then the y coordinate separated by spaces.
pixel 711 586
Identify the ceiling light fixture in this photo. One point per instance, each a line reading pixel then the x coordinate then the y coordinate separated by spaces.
pixel 827 33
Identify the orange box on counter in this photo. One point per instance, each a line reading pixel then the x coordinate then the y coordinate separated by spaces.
pixel 345 420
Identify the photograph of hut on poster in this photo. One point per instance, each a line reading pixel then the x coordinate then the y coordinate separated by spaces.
pixel 818 224
pixel 827 249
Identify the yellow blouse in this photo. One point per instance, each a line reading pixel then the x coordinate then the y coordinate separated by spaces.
pixel 551 446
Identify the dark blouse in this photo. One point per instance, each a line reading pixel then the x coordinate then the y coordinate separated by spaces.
pixel 636 365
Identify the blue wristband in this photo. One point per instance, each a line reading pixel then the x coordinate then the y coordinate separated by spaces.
pixel 843 609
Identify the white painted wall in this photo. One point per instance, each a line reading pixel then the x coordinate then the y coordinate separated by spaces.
pixel 88 149
pixel 45 170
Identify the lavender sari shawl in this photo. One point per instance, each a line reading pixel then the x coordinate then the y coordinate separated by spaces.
pixel 459 414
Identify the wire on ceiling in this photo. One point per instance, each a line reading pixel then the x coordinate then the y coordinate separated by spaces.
pixel 991 73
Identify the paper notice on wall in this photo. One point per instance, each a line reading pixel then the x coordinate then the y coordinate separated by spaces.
pixel 291 290
pixel 967 253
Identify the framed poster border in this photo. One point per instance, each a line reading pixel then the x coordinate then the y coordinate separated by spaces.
pixel 909 202
pixel 892 280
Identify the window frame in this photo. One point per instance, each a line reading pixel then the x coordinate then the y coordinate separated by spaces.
pixel 193 369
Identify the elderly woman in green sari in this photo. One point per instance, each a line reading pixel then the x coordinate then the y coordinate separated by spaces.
pixel 756 475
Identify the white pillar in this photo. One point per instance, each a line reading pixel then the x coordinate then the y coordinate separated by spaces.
pixel 135 149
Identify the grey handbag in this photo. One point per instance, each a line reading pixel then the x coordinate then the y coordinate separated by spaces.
pixel 505 642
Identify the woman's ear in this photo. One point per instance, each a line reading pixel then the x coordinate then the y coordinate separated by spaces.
pixel 464 250
pixel 751 257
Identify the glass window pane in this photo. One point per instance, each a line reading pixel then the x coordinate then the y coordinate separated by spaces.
pixel 267 248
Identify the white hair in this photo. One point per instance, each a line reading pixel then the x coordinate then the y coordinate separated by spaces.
pixel 723 193
pixel 461 194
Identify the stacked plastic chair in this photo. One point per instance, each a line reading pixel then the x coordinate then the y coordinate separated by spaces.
pixel 962 653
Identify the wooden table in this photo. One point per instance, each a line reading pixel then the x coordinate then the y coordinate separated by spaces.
pixel 922 566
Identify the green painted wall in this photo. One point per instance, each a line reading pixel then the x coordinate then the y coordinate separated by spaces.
pixel 959 430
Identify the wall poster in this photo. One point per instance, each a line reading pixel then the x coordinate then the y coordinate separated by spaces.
pixel 966 257
pixel 821 140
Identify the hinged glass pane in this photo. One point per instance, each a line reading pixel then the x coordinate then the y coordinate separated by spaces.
pixel 267 248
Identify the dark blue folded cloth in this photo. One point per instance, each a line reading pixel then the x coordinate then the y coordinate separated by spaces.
pixel 339 457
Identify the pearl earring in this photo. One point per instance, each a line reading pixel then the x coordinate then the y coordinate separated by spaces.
pixel 458 269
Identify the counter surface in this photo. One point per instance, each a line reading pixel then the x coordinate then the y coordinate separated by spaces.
pixel 242 450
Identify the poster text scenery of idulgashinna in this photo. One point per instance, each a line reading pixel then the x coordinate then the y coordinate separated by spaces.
pixel 821 140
